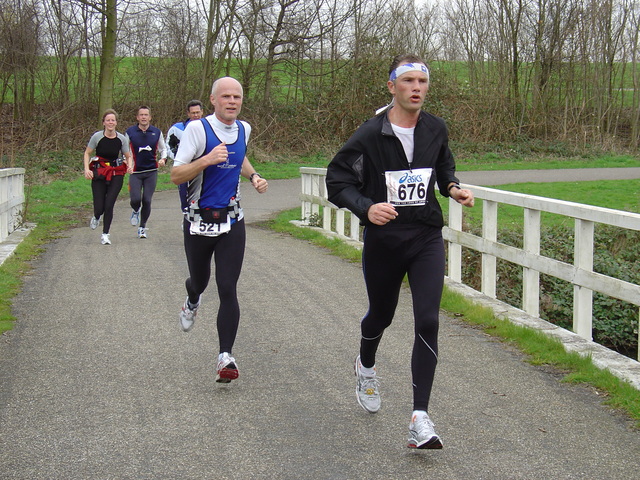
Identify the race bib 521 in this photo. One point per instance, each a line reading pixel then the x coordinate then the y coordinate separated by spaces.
pixel 210 229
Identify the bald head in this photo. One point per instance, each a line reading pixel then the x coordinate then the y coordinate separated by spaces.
pixel 226 98
pixel 225 81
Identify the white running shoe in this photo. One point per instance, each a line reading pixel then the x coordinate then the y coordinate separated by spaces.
pixel 367 389
pixel 188 315
pixel 135 217
pixel 105 240
pixel 226 370
pixel 422 434
pixel 94 223
pixel 142 232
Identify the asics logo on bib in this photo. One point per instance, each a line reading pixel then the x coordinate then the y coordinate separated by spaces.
pixel 406 178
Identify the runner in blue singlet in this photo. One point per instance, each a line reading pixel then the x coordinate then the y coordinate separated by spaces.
pixel 211 158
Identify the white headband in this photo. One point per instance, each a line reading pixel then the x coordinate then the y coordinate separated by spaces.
pixel 409 67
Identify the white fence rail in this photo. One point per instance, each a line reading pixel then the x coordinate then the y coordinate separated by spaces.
pixel 11 200
pixel 342 223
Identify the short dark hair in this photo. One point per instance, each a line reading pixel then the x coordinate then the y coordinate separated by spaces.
pixel 194 103
pixel 143 107
pixel 404 58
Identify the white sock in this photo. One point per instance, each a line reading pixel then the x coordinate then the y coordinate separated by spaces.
pixel 417 413
pixel 368 372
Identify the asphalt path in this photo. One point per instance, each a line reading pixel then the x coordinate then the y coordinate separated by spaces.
pixel 501 177
pixel 98 381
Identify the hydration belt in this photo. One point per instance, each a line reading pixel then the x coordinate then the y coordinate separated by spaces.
pixel 195 213
pixel 97 162
pixel 105 169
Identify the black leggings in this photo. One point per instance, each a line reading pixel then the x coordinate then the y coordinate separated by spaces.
pixel 105 195
pixel 141 189
pixel 227 251
pixel 388 255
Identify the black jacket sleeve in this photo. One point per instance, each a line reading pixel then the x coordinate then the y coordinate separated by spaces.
pixel 445 170
pixel 345 181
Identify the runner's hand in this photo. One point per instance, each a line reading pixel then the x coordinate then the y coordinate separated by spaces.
pixel 463 196
pixel 218 155
pixel 260 184
pixel 381 213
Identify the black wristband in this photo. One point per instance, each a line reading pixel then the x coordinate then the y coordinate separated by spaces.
pixel 455 185
pixel 253 175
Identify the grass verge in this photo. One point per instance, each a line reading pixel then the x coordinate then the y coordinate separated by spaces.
pixel 53 208
pixel 538 348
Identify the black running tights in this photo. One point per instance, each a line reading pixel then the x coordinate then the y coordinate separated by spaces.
pixel 227 251
pixel 142 186
pixel 388 255
pixel 105 195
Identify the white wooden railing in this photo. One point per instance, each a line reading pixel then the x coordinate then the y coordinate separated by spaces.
pixel 11 200
pixel 318 211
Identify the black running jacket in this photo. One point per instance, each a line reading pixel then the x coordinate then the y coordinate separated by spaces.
pixel 356 175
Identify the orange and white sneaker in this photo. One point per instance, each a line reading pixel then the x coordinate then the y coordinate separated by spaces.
pixel 226 370
pixel 422 433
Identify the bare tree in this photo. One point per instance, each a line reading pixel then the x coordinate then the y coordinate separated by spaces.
pixel 632 45
pixel 19 50
pixel 468 23
pixel 216 16
pixel 108 55
pixel 282 9
pixel 181 48
pixel 249 50
pixel 553 23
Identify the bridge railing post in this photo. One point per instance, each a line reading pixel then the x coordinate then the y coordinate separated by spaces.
pixel 530 276
pixel 489 232
pixel 455 249
pixel 583 296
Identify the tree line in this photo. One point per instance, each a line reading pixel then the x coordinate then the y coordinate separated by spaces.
pixel 312 70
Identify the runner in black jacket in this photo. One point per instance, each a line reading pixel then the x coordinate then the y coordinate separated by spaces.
pixel 386 174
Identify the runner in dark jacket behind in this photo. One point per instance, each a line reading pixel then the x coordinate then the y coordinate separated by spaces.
pixel 194 112
pixel 148 152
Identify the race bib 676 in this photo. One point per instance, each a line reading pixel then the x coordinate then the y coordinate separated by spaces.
pixel 408 187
